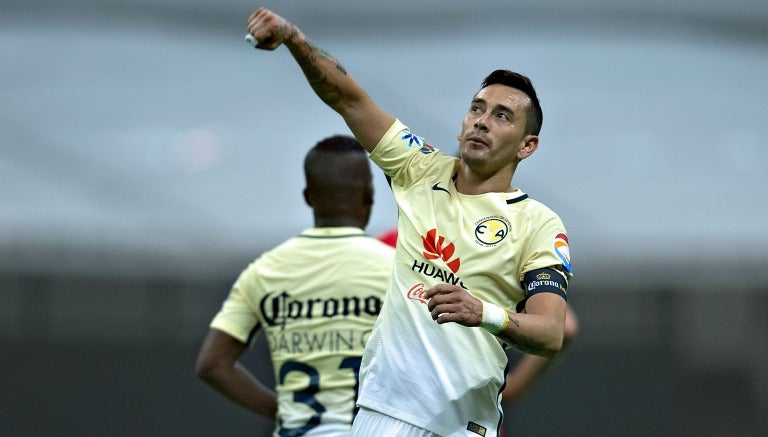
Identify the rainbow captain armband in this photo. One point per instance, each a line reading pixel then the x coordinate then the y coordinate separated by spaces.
pixel 495 318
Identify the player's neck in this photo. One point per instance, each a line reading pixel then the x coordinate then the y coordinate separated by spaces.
pixel 337 222
pixel 472 183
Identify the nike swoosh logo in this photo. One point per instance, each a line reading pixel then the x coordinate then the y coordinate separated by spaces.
pixel 437 187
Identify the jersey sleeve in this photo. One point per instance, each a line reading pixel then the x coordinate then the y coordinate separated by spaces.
pixel 548 247
pixel 404 156
pixel 236 317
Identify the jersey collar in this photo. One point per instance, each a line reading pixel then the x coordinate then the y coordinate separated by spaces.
pixel 516 196
pixel 335 232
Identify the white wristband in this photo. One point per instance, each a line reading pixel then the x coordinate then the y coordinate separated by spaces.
pixel 495 318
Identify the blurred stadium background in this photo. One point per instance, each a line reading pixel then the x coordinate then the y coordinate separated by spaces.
pixel 147 154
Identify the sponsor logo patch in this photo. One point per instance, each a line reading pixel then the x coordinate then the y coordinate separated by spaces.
pixel 561 248
pixel 489 231
pixel 437 187
pixel 417 293
pixel 415 141
pixel 427 149
pixel 476 428
pixel 435 247
pixel 279 309
pixel 412 139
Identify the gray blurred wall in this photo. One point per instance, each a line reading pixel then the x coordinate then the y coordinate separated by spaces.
pixel 145 147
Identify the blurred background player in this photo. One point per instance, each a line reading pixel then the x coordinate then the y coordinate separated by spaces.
pixel 526 369
pixel 316 296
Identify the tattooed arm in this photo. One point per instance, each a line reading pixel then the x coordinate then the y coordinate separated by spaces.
pixel 327 77
pixel 538 330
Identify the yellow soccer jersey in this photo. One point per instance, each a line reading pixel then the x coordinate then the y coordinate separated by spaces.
pixel 448 378
pixel 316 297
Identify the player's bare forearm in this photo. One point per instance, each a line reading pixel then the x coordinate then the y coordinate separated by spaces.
pixel 540 332
pixel 241 387
pixel 325 74
pixel 327 77
pixel 217 364
pixel 533 334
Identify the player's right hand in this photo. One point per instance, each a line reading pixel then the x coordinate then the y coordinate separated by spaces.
pixel 269 29
pixel 451 303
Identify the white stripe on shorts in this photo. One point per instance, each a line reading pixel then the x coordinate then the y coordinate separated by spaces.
pixel 369 423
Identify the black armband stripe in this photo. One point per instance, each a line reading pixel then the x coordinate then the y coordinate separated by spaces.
pixel 546 280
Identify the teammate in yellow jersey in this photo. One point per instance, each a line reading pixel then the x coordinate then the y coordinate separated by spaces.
pixel 315 296
pixel 479 266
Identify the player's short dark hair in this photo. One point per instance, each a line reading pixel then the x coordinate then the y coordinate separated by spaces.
pixel 338 144
pixel 331 155
pixel 522 83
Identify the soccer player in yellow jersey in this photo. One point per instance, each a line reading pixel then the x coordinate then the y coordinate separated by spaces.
pixel 525 369
pixel 478 266
pixel 315 296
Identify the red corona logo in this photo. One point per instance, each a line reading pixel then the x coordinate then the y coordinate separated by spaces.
pixel 435 247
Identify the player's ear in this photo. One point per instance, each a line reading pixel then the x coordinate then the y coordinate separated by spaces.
pixel 307 197
pixel 529 145
pixel 368 196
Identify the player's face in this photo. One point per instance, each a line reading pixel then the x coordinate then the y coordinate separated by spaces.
pixel 493 131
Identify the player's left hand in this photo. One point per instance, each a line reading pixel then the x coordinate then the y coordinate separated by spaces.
pixel 451 303
pixel 268 29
